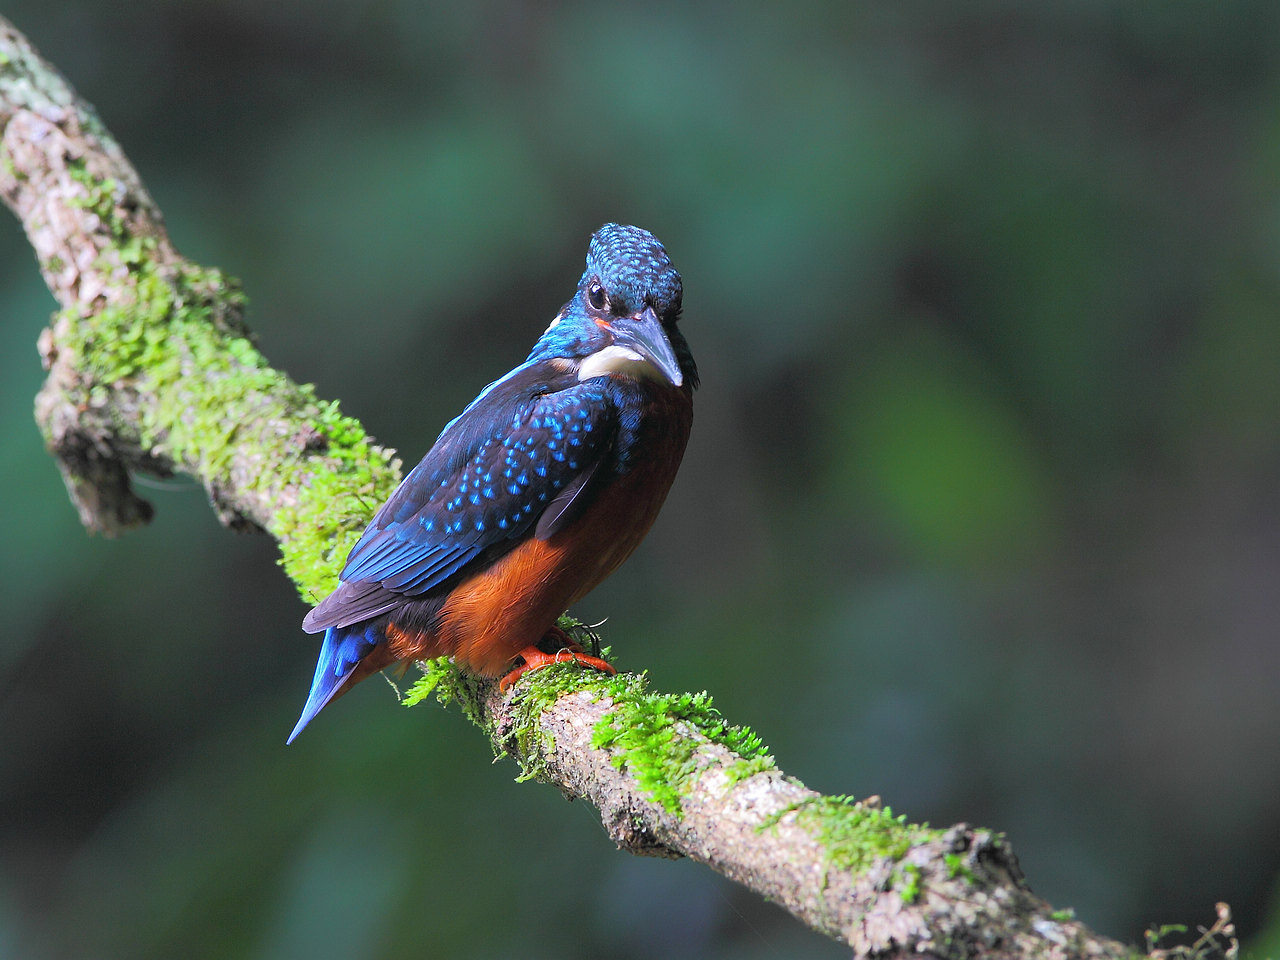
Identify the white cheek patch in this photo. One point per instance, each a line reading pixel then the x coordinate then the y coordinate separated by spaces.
pixel 617 359
pixel 552 325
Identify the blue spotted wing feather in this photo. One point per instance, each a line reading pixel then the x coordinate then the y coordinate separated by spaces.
pixel 530 441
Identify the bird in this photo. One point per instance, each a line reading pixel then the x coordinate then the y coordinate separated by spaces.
pixel 544 484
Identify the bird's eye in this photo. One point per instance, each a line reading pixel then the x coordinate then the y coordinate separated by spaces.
pixel 596 295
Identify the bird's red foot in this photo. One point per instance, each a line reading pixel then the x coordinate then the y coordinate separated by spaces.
pixel 536 658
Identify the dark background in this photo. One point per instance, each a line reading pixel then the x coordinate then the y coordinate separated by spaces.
pixel 981 511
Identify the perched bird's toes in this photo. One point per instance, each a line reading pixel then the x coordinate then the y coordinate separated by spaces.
pixel 536 659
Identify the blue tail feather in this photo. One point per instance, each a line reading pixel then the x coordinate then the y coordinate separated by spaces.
pixel 342 649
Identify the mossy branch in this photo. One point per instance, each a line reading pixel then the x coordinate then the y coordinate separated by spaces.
pixel 151 368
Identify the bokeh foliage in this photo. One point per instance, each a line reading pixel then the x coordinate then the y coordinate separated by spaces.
pixel 980 512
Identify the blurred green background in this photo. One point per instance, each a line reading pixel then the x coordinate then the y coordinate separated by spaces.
pixel 981 512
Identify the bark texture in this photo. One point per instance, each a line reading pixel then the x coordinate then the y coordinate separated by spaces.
pixel 152 368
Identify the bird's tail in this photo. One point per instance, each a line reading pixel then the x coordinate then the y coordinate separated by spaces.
pixel 340 654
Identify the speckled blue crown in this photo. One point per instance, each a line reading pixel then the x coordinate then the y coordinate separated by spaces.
pixel 632 263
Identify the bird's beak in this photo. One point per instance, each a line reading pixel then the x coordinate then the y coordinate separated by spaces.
pixel 644 334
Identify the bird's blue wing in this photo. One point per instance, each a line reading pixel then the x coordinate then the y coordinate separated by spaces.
pixel 531 441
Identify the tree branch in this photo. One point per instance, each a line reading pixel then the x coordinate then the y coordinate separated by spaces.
pixel 152 368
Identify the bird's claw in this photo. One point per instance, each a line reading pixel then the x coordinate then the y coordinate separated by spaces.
pixel 535 659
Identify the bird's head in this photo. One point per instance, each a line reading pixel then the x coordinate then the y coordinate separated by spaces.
pixel 622 320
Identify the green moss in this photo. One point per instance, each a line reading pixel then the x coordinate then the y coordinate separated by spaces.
pixel 333 507
pixel 855 836
pixel 535 691
pixel 185 320
pixel 648 736
pixel 957 867
pixel 742 769
pixel 909 883
pixel 434 673
pixel 447 684
pixel 533 694
pixel 99 197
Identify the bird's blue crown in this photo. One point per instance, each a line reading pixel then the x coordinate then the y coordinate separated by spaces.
pixel 634 268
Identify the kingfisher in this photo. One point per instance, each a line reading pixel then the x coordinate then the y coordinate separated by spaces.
pixel 536 492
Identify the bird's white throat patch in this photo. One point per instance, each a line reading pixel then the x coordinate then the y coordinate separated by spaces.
pixel 616 358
